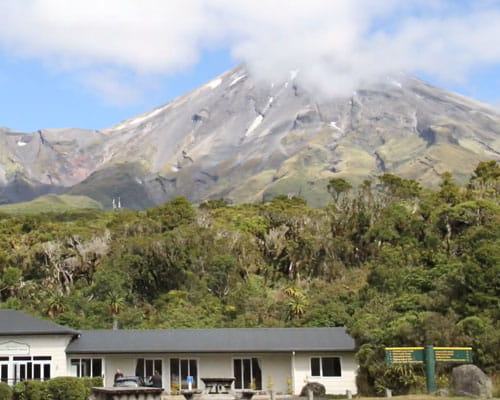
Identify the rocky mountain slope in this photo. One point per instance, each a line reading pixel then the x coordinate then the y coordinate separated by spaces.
pixel 246 140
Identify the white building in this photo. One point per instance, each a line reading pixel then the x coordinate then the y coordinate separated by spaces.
pixel 283 359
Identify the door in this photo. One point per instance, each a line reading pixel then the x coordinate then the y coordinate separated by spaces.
pixel 41 370
pixel 22 371
pixel 41 367
pixel 247 373
pixel 146 367
pixel 180 369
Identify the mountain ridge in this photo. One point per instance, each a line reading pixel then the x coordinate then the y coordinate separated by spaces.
pixel 246 140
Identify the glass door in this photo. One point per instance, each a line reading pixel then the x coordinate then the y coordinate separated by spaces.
pixel 22 371
pixel 180 369
pixel 146 367
pixel 41 370
pixel 247 373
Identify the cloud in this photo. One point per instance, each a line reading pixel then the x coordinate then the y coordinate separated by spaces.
pixel 336 45
pixel 112 87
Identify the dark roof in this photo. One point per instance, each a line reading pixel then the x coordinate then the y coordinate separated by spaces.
pixel 14 322
pixel 212 340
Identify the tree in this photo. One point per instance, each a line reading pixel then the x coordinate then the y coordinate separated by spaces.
pixel 450 191
pixel 400 188
pixel 10 278
pixel 338 187
pixel 55 304
pixel 170 215
pixel 296 304
pixel 486 179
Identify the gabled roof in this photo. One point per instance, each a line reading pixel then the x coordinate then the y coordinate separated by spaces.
pixel 212 340
pixel 14 323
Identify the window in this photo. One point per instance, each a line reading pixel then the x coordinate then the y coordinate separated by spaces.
pixel 180 369
pixel 147 367
pixel 4 369
pixel 247 373
pixel 27 368
pixel 86 367
pixel 325 366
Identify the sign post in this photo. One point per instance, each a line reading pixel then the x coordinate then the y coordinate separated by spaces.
pixel 430 369
pixel 429 356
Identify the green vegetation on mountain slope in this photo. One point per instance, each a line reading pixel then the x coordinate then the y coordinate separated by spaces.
pixel 51 203
pixel 397 264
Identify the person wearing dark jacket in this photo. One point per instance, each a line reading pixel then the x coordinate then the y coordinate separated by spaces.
pixel 156 379
pixel 118 374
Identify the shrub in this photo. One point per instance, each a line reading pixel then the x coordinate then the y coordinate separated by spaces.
pixel 5 392
pixel 89 383
pixel 31 390
pixel 66 388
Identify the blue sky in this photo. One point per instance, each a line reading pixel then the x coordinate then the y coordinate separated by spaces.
pixel 93 63
pixel 36 97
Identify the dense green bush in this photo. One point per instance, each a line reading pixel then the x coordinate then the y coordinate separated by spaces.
pixel 37 390
pixel 31 390
pixel 5 392
pixel 66 388
pixel 89 383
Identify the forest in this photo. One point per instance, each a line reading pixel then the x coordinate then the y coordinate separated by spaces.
pixel 397 264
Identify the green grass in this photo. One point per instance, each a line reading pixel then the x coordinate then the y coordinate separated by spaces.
pixel 51 203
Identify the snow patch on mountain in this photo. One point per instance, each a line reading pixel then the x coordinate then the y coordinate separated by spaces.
pixel 147 116
pixel 257 121
pixel 237 79
pixel 215 83
pixel 139 119
pixel 333 124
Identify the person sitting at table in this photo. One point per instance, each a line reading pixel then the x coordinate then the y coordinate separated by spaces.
pixel 118 374
pixel 156 379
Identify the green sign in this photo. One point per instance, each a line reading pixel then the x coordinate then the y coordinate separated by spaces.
pixel 458 355
pixel 429 356
pixel 404 355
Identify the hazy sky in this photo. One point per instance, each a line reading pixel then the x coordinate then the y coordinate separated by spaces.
pixel 93 63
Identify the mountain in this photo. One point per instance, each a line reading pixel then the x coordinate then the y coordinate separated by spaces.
pixel 247 140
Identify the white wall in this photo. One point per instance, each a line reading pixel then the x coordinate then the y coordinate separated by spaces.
pixel 333 385
pixel 126 364
pixel 210 365
pixel 42 345
pixel 274 366
pixel 278 367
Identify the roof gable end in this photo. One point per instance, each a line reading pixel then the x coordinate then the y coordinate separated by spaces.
pixel 16 323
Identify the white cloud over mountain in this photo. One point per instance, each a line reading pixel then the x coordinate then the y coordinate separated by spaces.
pixel 335 44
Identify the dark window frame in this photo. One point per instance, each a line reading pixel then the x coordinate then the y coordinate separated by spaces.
pixel 179 367
pixel 321 363
pixel 247 370
pixel 90 361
